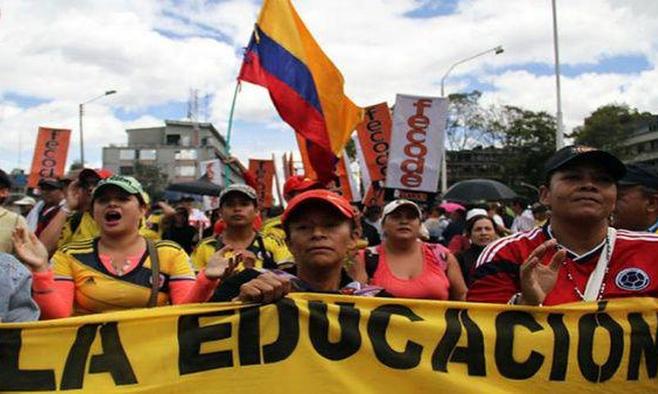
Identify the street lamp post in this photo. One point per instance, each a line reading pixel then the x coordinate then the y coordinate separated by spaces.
pixel 82 113
pixel 444 167
pixel 559 133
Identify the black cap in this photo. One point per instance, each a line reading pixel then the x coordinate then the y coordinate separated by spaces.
pixel 572 153
pixel 640 174
pixel 5 182
pixel 50 183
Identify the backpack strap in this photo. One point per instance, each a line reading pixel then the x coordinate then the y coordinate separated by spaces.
pixel 155 273
pixel 441 255
pixel 371 259
pixel 268 259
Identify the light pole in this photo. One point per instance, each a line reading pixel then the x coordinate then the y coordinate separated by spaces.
pixel 559 133
pixel 444 167
pixel 82 113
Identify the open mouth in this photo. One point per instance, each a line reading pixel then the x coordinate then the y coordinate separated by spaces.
pixel 112 217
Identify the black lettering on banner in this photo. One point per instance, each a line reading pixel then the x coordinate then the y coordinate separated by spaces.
pixel 12 378
pixel 377 325
pixel 190 338
pixel 447 350
pixel 113 359
pixel 376 135
pixel 249 336
pixel 641 342
pixel 380 147
pixel 288 338
pixel 560 346
pixel 587 326
pixel 350 337
pixel 370 111
pixel 504 349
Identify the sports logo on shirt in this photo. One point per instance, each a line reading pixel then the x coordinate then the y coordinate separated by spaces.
pixel 632 279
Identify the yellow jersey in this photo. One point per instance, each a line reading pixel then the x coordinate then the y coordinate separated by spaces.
pixel 270 252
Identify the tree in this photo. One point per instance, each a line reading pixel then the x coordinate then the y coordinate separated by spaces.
pixel 468 122
pixel 153 180
pixel 530 138
pixel 76 165
pixel 607 126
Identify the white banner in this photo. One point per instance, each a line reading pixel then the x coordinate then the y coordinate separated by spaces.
pixel 363 167
pixel 414 161
pixel 211 171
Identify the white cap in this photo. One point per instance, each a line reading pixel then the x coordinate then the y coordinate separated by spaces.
pixel 27 200
pixel 395 204
pixel 475 212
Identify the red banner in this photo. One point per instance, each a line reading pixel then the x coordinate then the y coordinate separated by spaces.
pixel 374 137
pixel 309 172
pixel 49 154
pixel 264 172
pixel 374 196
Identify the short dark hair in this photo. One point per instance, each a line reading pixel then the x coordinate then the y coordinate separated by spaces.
pixel 5 181
pixel 471 222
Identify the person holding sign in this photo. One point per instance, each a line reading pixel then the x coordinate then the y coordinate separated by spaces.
pixel 120 269
pixel 407 267
pixel 576 256
pixel 321 234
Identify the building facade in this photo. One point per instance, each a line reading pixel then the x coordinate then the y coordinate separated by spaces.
pixel 642 144
pixel 177 149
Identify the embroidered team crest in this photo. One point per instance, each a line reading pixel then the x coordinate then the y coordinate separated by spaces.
pixel 632 279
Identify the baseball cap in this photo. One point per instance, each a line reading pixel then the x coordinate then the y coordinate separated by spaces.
pixel 640 174
pixel 572 153
pixel 238 188
pixel 299 184
pixel 475 212
pixel 27 200
pixel 101 173
pixel 395 204
pixel 338 202
pixel 50 183
pixel 126 183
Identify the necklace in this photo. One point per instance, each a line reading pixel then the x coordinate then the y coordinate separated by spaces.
pixel 608 253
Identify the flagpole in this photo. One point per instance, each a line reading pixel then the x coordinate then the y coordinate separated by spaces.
pixel 228 134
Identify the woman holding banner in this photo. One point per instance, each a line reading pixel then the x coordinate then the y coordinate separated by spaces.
pixel 120 269
pixel 407 267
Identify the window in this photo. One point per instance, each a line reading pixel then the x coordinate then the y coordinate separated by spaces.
pixel 126 170
pixel 147 154
pixel 185 154
pixel 173 139
pixel 185 171
pixel 126 154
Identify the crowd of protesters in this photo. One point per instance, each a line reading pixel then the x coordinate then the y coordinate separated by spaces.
pixel 94 242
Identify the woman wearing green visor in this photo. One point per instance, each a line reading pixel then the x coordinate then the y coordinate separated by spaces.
pixel 120 269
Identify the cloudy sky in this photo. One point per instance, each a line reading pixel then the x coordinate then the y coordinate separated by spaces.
pixel 56 54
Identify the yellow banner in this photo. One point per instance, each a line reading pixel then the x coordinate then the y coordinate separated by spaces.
pixel 340 344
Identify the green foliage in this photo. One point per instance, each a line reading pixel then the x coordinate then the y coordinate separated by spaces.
pixel 530 138
pixel 607 126
pixel 76 165
pixel 468 122
pixel 153 180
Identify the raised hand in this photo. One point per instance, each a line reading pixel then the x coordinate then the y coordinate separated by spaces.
pixel 30 250
pixel 220 267
pixel 267 287
pixel 537 279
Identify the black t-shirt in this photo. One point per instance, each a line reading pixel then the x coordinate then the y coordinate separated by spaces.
pixel 184 236
pixel 229 288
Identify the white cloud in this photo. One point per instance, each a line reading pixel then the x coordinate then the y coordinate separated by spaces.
pixel 69 51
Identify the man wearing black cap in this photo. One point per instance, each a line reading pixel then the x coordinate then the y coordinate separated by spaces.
pixel 238 205
pixel 637 199
pixel 576 256
pixel 52 196
pixel 9 221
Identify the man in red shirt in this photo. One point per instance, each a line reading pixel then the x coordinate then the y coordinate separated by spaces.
pixel 576 256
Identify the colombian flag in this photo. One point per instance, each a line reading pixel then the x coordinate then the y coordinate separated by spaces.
pixel 305 86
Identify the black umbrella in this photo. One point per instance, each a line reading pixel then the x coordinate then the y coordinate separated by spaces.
pixel 201 187
pixel 474 190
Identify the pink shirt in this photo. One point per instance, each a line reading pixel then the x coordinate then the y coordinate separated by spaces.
pixel 432 283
